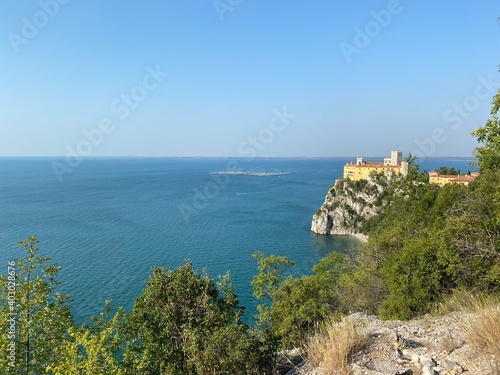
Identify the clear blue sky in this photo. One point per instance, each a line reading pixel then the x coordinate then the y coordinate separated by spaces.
pixel 227 77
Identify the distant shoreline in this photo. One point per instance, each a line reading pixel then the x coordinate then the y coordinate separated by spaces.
pixel 136 157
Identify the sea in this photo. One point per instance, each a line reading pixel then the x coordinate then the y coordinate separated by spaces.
pixel 108 221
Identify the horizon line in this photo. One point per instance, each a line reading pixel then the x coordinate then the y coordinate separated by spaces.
pixel 216 157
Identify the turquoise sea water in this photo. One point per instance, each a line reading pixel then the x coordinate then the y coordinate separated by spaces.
pixel 111 220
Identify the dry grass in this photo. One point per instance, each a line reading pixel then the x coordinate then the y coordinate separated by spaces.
pixel 481 319
pixel 483 328
pixel 460 301
pixel 331 347
pixel 495 367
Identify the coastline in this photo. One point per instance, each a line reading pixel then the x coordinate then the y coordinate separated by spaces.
pixel 363 238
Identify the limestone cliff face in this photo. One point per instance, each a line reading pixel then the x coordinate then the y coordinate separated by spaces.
pixel 348 204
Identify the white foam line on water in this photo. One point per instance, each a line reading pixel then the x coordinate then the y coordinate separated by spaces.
pixel 257 174
pixel 262 192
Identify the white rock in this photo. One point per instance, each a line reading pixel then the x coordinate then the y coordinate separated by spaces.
pixel 342 204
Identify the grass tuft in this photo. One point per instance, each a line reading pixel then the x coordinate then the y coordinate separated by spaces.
pixel 465 302
pixel 480 316
pixel 483 327
pixel 332 347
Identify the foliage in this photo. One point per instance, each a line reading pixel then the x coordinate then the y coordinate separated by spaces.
pixel 413 278
pixel 361 287
pixel 177 321
pixel 471 236
pixel 488 155
pixel 426 242
pixel 233 349
pixel 447 171
pixel 271 275
pixel 93 349
pixel 41 312
pixel 183 323
pixel 297 304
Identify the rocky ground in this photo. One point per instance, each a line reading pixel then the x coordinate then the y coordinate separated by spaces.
pixel 427 346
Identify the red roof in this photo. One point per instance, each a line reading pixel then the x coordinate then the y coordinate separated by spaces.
pixel 372 164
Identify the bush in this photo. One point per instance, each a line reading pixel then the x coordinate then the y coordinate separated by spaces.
pixel 413 279
pixel 233 350
pixel 361 287
pixel 182 317
pixel 296 305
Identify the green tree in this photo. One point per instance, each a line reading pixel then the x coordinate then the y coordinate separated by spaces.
pixel 413 277
pixel 271 274
pixel 295 306
pixel 95 349
pixel 471 233
pixel 298 306
pixel 180 315
pixel 488 155
pixel 361 287
pixel 42 313
pixel 448 171
pixel 399 272
pixel 233 349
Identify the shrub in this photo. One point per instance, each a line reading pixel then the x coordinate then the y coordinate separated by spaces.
pixel 181 317
pixel 295 306
pixel 413 279
pixel 235 350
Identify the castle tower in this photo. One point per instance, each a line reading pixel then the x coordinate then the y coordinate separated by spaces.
pixel 396 157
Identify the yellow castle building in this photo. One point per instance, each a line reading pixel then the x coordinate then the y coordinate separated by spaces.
pixel 391 167
pixel 443 179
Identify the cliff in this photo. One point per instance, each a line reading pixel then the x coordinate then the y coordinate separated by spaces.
pixel 348 204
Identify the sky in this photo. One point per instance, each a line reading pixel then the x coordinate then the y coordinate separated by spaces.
pixel 245 78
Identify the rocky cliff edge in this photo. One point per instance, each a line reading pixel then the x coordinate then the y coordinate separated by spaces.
pixel 348 204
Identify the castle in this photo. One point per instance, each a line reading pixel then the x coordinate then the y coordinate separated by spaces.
pixel 391 167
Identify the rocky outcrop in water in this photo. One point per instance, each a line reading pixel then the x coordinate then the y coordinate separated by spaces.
pixel 348 204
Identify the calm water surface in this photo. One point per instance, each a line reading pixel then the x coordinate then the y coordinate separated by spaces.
pixel 111 220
